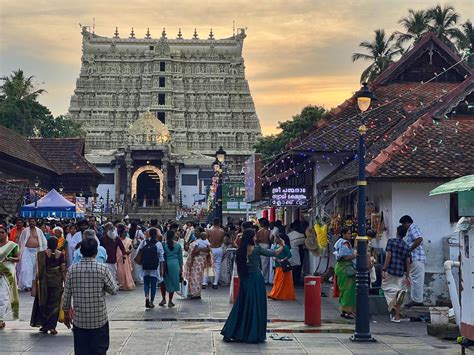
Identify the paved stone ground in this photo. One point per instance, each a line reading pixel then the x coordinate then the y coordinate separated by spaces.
pixel 193 326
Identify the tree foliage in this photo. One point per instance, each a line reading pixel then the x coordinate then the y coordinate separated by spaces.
pixel 21 112
pixel 442 21
pixel 381 52
pixel 268 146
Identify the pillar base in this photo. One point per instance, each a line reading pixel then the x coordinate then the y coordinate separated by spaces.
pixel 363 338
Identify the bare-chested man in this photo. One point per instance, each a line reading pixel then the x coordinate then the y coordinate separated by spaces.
pixel 32 240
pixel 216 239
pixel 263 239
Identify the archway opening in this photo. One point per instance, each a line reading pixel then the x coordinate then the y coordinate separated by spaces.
pixel 148 188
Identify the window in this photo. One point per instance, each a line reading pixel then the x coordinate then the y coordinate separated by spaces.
pixel 162 66
pixel 161 99
pixel 109 178
pixel 162 81
pixel 161 116
pixel 152 48
pixel 189 180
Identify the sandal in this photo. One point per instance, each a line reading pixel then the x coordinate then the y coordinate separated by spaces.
pixel 2 325
pixel 42 330
pixel 162 303
pixel 53 331
pixel 170 304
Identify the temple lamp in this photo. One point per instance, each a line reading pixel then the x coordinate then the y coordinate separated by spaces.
pixel 364 98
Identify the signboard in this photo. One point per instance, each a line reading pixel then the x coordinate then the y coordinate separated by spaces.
pixel 253 181
pixel 288 196
pixel 80 205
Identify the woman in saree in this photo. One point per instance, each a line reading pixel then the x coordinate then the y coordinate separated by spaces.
pixel 124 265
pixel 173 270
pixel 196 264
pixel 345 274
pixel 283 288
pixel 9 255
pixel 48 288
pixel 247 322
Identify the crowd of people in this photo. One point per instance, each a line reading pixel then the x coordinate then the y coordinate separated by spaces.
pixel 68 267
pixel 403 267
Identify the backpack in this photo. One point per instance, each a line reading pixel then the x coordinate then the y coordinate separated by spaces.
pixel 150 259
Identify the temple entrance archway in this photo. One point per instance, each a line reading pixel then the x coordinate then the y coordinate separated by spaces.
pixel 148 184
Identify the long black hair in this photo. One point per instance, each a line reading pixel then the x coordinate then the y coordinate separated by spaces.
pixel 170 239
pixel 241 258
pixel 153 233
pixel 133 230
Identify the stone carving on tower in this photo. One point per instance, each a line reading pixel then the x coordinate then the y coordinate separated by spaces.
pixel 186 85
pixel 147 130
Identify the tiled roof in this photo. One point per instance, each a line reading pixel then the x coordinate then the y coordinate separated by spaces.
pixel 16 146
pixel 74 162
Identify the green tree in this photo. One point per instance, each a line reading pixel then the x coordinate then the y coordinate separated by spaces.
pixel 443 23
pixel 381 52
pixel 268 146
pixel 466 42
pixel 21 112
pixel 415 25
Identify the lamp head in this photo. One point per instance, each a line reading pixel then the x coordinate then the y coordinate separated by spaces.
pixel 61 187
pixel 364 98
pixel 36 182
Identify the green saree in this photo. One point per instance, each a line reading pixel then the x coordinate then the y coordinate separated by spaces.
pixel 347 286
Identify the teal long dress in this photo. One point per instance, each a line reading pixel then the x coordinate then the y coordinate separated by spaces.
pixel 247 322
pixel 174 261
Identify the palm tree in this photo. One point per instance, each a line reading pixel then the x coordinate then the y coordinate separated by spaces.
pixel 19 109
pixel 381 51
pixel 466 42
pixel 416 24
pixel 443 23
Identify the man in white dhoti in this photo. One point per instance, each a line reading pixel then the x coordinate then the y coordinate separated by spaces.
pixel 74 239
pixel 32 240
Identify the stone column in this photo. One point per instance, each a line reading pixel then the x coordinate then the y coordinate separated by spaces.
pixel 176 184
pixel 164 195
pixel 128 194
pixel 117 181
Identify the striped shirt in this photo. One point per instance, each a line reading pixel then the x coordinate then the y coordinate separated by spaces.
pixel 417 254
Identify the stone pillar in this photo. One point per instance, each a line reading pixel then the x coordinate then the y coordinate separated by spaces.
pixel 176 183
pixel 128 197
pixel 164 189
pixel 117 181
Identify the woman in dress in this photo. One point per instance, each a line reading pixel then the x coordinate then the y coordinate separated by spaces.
pixel 345 274
pixel 48 288
pixel 196 263
pixel 225 277
pixel 283 288
pixel 9 255
pixel 173 269
pixel 124 265
pixel 247 322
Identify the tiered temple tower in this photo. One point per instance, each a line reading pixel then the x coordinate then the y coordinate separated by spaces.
pixel 196 87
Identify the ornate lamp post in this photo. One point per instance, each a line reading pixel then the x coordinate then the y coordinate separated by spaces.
pixel 362 323
pixel 36 183
pixel 61 187
pixel 218 167
pixel 101 201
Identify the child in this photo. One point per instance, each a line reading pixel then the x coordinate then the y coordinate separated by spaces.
pixel 202 242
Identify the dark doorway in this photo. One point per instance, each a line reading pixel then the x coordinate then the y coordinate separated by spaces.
pixel 148 188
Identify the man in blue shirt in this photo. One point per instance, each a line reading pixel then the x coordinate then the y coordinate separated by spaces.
pixel 101 256
pixel 414 239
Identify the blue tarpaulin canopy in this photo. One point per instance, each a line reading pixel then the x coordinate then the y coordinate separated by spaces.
pixel 51 205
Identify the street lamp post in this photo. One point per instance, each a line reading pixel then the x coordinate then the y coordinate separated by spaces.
pixel 218 167
pixel 61 187
pixel 362 322
pixel 37 183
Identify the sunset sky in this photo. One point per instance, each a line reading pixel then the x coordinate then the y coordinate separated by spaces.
pixel 297 52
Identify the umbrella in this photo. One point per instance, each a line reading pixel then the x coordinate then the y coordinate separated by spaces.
pixel 465 183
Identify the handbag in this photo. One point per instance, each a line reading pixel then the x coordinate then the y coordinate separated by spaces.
pixel 183 288
pixel 285 265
